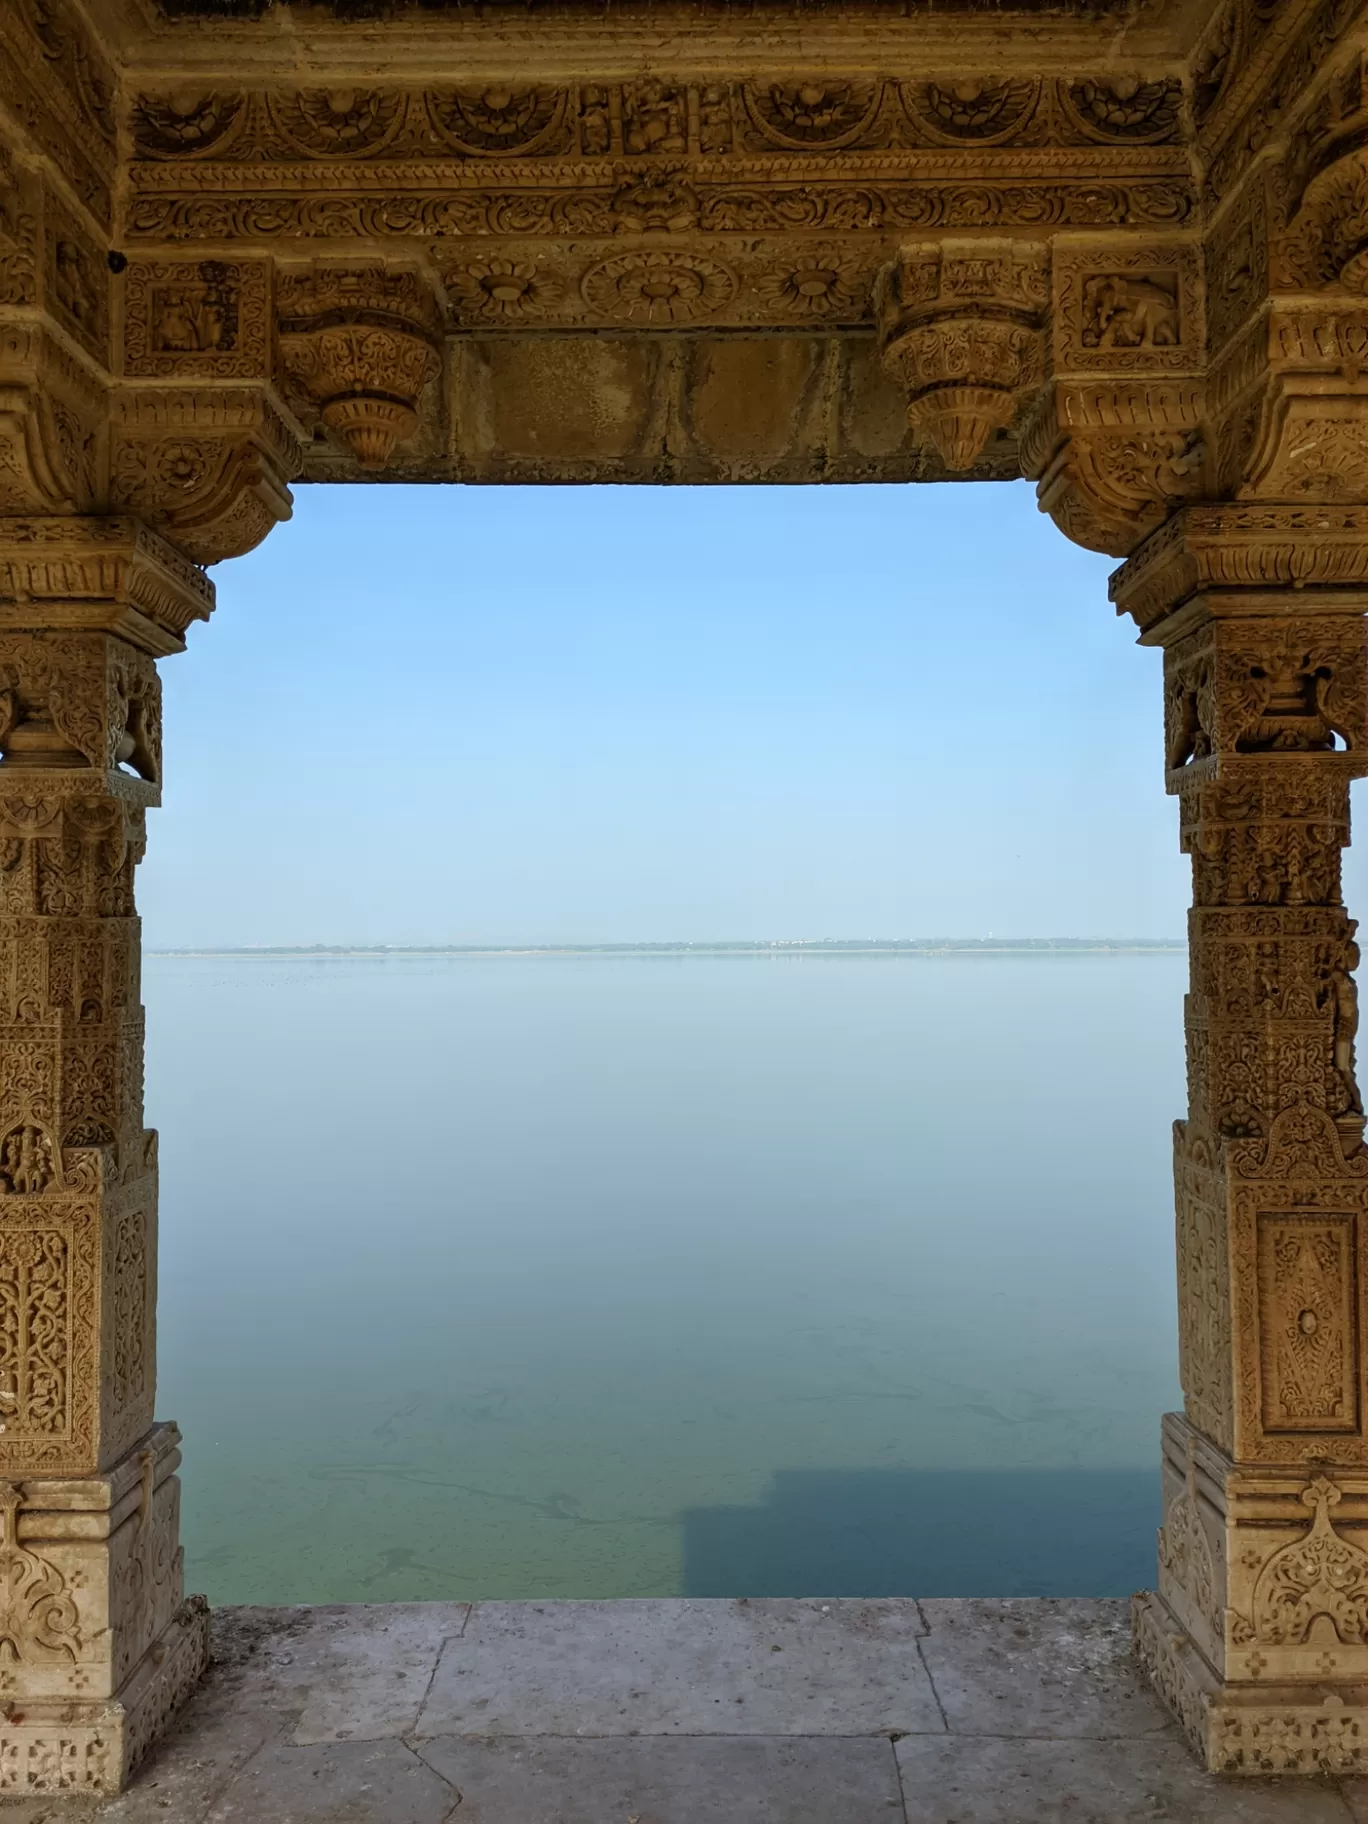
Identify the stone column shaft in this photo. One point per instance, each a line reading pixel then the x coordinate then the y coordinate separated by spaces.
pixel 1258 1632
pixel 97 1643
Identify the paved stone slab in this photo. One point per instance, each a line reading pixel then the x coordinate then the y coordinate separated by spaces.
pixel 708 1667
pixel 1083 1679
pixel 362 1670
pixel 634 1716
pixel 337 1783
pixel 672 1780
pixel 1146 1780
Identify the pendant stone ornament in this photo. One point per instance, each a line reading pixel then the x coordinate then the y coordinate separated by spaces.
pixel 960 323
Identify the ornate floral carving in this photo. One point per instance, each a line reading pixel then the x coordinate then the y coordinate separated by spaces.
pixel 501 290
pixel 1185 1552
pixel 187 125
pixel 1319 1578
pixel 360 343
pixel 828 114
pixel 978 111
pixel 1307 1315
pixel 210 468
pixel 338 123
pixel 1125 108
pixel 498 121
pixel 35 1293
pixel 960 325
pixel 658 287
pixel 820 282
pixel 38 1618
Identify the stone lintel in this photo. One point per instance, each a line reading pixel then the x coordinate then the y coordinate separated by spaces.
pixel 106 573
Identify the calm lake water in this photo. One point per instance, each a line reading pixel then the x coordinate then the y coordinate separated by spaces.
pixel 611 1276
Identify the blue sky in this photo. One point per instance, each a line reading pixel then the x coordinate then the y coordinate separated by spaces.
pixel 533 714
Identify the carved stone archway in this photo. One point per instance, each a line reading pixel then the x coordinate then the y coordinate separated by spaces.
pixel 1118 246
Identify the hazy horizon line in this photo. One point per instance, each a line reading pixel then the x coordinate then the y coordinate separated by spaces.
pixel 677 946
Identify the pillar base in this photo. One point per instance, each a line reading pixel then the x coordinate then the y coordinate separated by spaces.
pixel 1257 1729
pixel 94 1747
pixel 98 1644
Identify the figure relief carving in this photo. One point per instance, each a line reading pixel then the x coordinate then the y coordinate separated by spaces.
pixel 201 317
pixel 39 1623
pixel 1342 994
pixel 1214 63
pixel 26 1161
pixel 655 117
pixel 1292 686
pixel 1307 1328
pixel 1124 312
pixel 663 203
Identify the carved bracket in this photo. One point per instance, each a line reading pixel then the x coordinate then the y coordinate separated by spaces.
pixel 960 323
pixel 360 344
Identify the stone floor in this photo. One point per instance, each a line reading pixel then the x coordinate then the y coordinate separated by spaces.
pixel 684 1712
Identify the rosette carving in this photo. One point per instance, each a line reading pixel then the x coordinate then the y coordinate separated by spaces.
pixel 339 123
pixel 978 112
pixel 658 287
pixel 817 115
pixel 185 124
pixel 960 324
pixel 500 121
pixel 360 343
pixel 1125 108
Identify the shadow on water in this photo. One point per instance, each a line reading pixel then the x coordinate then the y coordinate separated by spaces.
pixel 896 1532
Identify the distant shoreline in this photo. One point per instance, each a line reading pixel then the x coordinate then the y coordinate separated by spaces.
pixel 949 946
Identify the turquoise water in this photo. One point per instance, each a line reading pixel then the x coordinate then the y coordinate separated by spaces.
pixel 599 1276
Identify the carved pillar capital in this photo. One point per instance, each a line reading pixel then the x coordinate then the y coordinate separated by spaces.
pixel 961 324
pixel 107 572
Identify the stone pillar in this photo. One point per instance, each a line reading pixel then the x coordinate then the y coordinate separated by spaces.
pixel 97 1642
pixel 1257 1635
